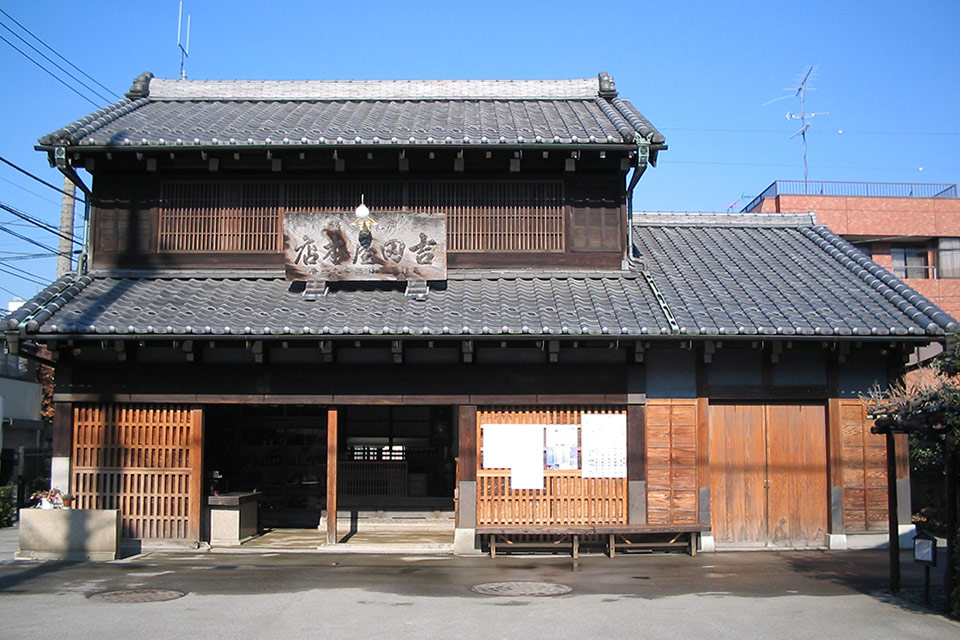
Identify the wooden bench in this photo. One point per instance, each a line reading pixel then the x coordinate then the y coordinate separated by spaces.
pixel 564 536
pixel 627 536
pixel 617 536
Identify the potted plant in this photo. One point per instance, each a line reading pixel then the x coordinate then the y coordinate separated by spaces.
pixel 67 499
pixel 48 498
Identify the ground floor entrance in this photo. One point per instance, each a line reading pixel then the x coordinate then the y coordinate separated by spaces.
pixel 768 470
pixel 392 461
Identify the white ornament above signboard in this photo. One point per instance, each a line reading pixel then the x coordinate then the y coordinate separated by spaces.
pixel 387 245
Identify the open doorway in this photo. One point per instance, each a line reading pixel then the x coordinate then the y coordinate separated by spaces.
pixel 392 459
pixel 396 458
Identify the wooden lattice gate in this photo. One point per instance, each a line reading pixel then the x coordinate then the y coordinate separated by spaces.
pixel 567 498
pixel 144 460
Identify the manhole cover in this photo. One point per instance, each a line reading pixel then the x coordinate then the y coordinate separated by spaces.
pixel 521 589
pixel 138 595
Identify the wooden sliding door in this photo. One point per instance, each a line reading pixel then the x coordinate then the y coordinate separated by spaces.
pixel 768 470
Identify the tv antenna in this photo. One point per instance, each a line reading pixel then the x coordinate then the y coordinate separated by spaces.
pixel 800 91
pixel 184 49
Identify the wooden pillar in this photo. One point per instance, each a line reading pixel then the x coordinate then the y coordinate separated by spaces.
pixel 636 465
pixel 893 522
pixel 467 465
pixel 835 466
pixel 197 499
pixel 332 475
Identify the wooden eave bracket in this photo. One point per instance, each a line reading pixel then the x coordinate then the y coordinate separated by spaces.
pixel 417 289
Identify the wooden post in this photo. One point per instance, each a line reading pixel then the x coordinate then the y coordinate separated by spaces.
pixel 196 500
pixel 332 475
pixel 894 529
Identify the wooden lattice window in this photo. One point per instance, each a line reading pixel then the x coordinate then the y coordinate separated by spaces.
pixel 143 460
pixel 214 217
pixel 506 216
pixel 220 217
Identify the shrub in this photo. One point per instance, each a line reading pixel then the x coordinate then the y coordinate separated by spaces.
pixel 8 507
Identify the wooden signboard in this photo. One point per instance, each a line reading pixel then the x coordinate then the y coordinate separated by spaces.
pixel 387 245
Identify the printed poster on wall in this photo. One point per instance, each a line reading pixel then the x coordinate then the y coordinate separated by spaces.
pixel 518 447
pixel 562 442
pixel 604 445
pixel 526 472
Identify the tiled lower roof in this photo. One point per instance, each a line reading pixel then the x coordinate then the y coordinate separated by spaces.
pixel 698 275
pixel 773 274
pixel 591 304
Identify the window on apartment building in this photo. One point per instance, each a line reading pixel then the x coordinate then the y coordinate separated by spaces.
pixel 948 257
pixel 911 261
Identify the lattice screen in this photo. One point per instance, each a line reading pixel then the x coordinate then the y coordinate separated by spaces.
pixel 213 217
pixel 144 460
pixel 566 499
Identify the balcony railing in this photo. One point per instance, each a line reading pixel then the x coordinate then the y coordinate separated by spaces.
pixel 862 189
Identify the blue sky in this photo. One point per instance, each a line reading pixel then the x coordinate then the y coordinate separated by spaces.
pixel 889 78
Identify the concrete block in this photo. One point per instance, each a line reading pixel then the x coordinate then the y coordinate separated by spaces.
pixel 69 534
pixel 707 544
pixel 465 542
pixel 837 541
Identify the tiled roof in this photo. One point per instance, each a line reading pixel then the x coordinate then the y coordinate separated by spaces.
pixel 206 113
pixel 471 304
pixel 773 274
pixel 699 275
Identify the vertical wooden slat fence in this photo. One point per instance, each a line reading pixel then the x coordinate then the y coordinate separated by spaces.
pixel 143 460
pixel 671 439
pixel 863 470
pixel 567 498
pixel 205 217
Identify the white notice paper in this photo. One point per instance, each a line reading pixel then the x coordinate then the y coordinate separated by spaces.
pixel 604 445
pixel 562 441
pixel 497 450
pixel 526 472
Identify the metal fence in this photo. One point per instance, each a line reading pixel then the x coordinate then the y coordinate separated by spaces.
pixel 860 189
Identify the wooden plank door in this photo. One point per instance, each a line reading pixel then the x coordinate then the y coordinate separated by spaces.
pixel 737 473
pixel 797 474
pixel 768 470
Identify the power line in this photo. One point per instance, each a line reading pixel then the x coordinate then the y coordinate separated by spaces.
pixel 23 275
pixel 47 71
pixel 31 241
pixel 15 255
pixel 37 222
pixel 47 58
pixel 33 193
pixel 40 180
pixel 40 40
pixel 13 293
pixel 843 132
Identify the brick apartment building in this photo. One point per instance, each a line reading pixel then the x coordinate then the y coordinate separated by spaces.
pixel 911 229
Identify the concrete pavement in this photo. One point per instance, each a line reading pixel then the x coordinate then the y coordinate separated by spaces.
pixel 736 595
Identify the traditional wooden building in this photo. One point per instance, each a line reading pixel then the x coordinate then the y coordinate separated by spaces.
pixel 531 348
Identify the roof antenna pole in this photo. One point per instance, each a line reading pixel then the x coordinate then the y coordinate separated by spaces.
pixel 800 91
pixel 184 50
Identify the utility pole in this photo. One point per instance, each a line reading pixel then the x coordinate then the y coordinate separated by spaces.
pixel 64 246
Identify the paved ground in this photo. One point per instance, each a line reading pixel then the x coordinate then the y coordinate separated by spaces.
pixel 801 594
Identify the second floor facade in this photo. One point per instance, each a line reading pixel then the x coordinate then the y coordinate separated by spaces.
pixel 200 174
